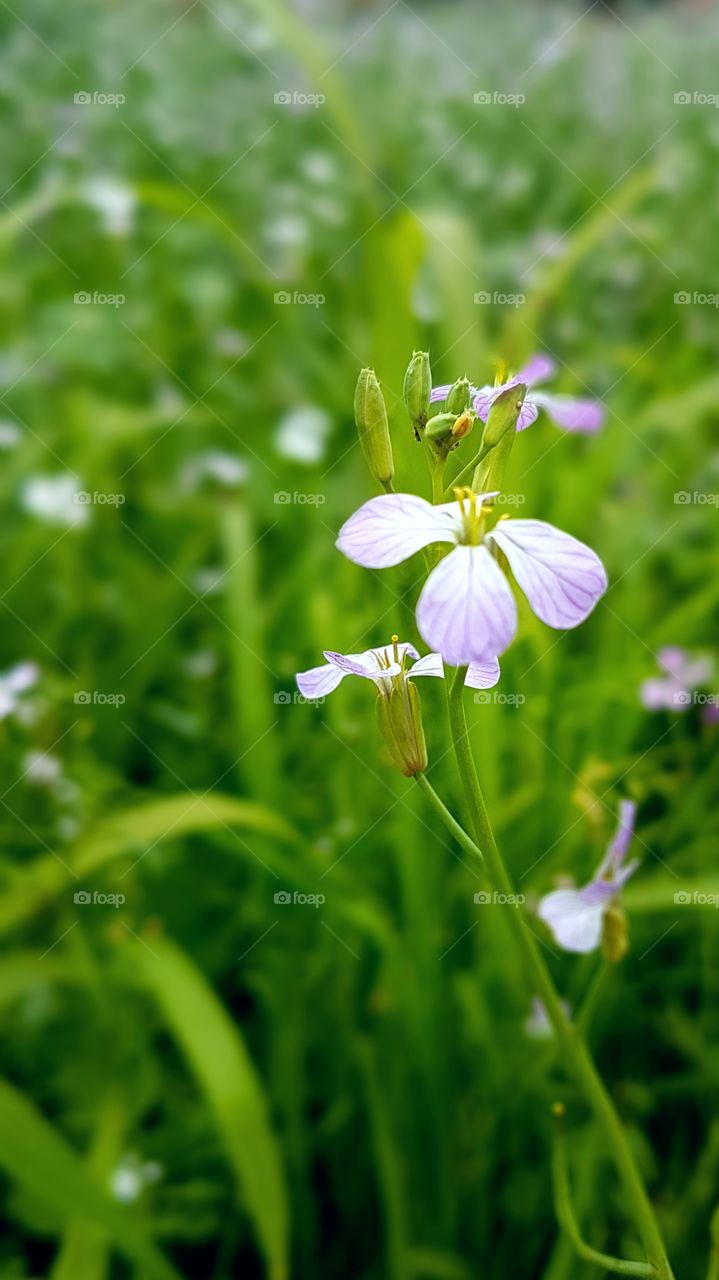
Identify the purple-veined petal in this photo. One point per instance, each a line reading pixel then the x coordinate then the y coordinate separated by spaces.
pixel 560 576
pixel 482 675
pixel 537 369
pixel 362 664
pixel 430 665
pixel 617 851
pixel 319 681
pixel 389 529
pixel 575 923
pixel 573 413
pixel 440 393
pixel 466 610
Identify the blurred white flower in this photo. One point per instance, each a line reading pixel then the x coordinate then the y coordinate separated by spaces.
pixel 226 469
pixel 302 434
pixel 200 665
pixel 130 1177
pixel 54 500
pixel 41 769
pixel 114 201
pixel 9 435
pixel 14 682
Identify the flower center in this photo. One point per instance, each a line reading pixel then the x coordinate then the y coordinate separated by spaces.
pixel 473 516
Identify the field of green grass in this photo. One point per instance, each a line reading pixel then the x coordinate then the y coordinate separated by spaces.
pixel 254 1022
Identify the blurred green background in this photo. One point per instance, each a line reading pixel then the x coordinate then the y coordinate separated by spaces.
pixel 213 214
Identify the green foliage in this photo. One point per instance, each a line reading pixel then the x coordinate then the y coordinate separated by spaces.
pixel 298 1012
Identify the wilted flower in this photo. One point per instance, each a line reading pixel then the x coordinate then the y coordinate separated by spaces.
pixel 382 665
pixel 581 919
pixel 673 690
pixel 466 610
pixel 574 413
pixel 14 682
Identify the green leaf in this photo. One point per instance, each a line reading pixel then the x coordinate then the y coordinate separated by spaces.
pixel 224 1070
pixel 39 1158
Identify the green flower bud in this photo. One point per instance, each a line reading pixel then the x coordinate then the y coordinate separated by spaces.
pixel 399 716
pixel 615 934
pixel 373 427
pixel 439 428
pixel 416 390
pixel 458 398
pixel 503 414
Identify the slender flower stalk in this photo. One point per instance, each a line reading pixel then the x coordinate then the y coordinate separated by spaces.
pixel 569 1038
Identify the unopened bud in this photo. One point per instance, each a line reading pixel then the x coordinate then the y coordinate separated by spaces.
pixel 463 425
pixel 439 428
pixel 399 716
pixel 416 390
pixel 503 414
pixel 458 397
pixel 373 427
pixel 615 934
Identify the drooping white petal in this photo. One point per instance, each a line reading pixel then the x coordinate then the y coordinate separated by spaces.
pixel 389 529
pixel 466 610
pixel 482 675
pixel 575 923
pixel 319 681
pixel 430 665
pixel 561 577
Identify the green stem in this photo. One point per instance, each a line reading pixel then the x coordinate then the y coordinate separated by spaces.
pixel 451 823
pixel 567 1220
pixel 713 1272
pixel 437 472
pixel 465 472
pixel 568 1035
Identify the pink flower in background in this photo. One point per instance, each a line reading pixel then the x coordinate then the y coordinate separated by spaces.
pixel 381 665
pixel 466 610
pixel 574 413
pixel 576 916
pixel 682 675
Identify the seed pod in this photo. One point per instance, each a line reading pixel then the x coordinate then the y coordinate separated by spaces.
pixel 417 388
pixel 373 427
pixel 615 934
pixel 399 716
